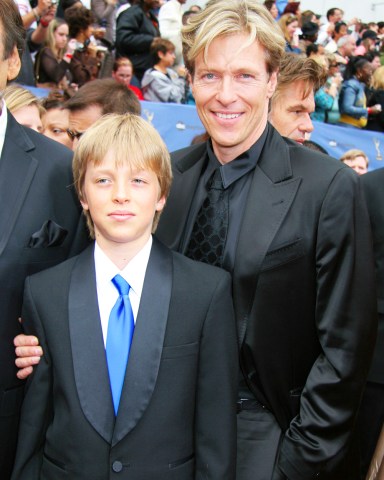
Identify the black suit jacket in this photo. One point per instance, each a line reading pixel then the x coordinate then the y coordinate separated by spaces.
pixel 303 293
pixel 176 419
pixel 373 183
pixel 36 200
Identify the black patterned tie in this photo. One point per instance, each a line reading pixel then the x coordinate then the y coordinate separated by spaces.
pixel 211 225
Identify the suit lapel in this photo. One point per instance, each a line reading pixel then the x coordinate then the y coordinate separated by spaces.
pixel 88 352
pixel 17 169
pixel 147 344
pixel 189 167
pixel 270 197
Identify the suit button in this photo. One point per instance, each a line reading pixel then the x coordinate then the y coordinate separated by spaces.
pixel 117 466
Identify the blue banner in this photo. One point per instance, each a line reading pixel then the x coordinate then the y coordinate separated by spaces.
pixel 179 124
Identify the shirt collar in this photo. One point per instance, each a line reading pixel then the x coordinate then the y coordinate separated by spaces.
pixel 3 123
pixel 133 273
pixel 240 166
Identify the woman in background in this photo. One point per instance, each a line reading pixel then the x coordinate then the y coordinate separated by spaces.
pixel 122 72
pixel 52 63
pixel 352 100
pixel 24 106
pixel 376 122
pixel 56 119
pixel 289 24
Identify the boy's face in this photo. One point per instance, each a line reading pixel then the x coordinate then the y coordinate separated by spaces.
pixel 122 203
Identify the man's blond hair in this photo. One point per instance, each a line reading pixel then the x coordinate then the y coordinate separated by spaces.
pixel 232 17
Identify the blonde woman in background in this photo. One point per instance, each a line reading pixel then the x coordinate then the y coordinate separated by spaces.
pixel 289 24
pixel 53 61
pixel 24 106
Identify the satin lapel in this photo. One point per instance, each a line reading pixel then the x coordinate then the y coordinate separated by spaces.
pixel 147 344
pixel 186 171
pixel 89 361
pixel 17 169
pixel 271 194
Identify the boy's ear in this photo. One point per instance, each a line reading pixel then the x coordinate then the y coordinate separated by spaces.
pixel 83 201
pixel 14 64
pixel 160 204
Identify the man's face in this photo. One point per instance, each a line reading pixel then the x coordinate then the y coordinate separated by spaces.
pixel 336 17
pixel 290 112
pixel 232 90
pixel 81 120
pixel 10 67
pixel 349 47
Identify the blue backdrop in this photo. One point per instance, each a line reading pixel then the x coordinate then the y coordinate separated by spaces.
pixel 179 124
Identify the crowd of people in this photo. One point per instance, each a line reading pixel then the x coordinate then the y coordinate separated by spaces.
pixel 213 313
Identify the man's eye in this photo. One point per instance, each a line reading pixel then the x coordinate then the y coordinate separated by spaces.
pixel 58 130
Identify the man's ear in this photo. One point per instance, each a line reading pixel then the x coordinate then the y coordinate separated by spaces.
pixel 14 64
pixel 272 84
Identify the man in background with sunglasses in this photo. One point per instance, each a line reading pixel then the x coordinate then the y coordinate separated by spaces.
pixel 95 99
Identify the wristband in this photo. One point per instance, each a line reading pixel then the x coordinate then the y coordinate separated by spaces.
pixel 369 110
pixel 44 23
pixel 68 55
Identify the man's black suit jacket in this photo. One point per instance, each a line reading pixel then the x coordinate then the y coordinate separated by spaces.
pixel 176 418
pixel 373 183
pixel 303 292
pixel 39 218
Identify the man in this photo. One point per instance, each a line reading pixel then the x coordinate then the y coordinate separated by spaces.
pixel 297 244
pixel 371 414
pixel 340 30
pixel 292 228
pixel 39 216
pixel 345 48
pixel 170 22
pixel 334 15
pixel 95 99
pixel 293 100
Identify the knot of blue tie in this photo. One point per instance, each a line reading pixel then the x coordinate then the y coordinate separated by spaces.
pixel 119 337
pixel 121 284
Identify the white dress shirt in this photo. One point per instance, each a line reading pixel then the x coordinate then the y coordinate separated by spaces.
pixel 133 273
pixel 3 124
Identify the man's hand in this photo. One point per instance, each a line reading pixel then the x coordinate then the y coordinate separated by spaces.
pixel 28 353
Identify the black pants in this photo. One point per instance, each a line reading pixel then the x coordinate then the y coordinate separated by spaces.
pixel 258 441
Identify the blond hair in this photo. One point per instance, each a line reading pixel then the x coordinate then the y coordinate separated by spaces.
pixel 17 97
pixel 283 23
pixel 228 17
pixel 133 141
pixel 352 154
pixel 378 78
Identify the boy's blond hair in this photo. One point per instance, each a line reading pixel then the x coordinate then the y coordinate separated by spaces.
pixel 133 141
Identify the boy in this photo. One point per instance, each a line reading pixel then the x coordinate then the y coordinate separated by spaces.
pixel 175 418
pixel 161 83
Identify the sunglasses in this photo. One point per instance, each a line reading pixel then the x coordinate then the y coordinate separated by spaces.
pixel 73 135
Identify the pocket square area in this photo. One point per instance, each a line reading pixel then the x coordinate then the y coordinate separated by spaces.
pixel 49 235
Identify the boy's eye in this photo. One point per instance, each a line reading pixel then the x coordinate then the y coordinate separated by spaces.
pixel 102 180
pixel 138 180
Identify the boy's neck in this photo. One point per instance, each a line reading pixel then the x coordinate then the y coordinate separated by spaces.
pixel 121 254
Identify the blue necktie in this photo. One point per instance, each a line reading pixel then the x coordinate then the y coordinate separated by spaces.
pixel 119 337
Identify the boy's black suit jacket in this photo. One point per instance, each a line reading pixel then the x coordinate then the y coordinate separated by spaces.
pixel 176 419
pixel 303 289
pixel 39 217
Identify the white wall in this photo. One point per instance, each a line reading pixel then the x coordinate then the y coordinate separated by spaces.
pixel 367 10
